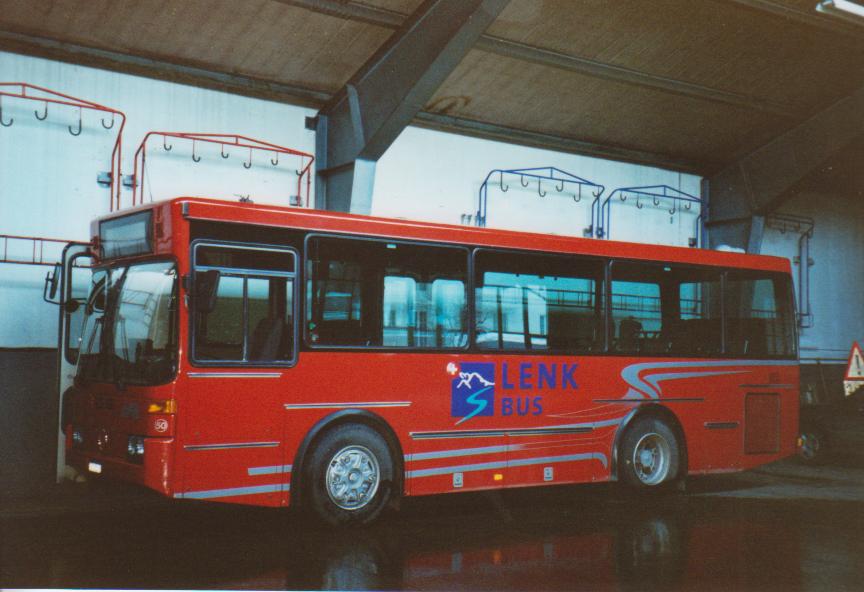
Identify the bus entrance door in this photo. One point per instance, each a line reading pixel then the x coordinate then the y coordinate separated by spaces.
pixel 67 286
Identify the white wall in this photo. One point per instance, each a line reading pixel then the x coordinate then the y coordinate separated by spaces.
pixel 430 175
pixel 48 178
pixel 837 273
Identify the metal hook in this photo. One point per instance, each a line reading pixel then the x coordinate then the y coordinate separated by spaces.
pixel 656 201
pixel 165 144
pixel 504 189
pixel 195 158
pixel 598 194
pixel 44 115
pixel 108 126
pixel 522 181
pixel 11 119
pixel 275 162
pixel 222 152
pixel 540 191
pixel 78 133
pixel 622 196
pixel 638 205
pixel 674 204
pixel 688 205
pixel 560 189
pixel 248 165
pixel 578 199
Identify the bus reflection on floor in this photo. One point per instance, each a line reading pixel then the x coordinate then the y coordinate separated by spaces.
pixel 522 540
pixel 612 548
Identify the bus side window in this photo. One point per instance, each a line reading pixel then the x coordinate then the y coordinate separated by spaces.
pixel 252 320
pixel 759 320
pixel 693 327
pixel 636 308
pixel 377 293
pixel 538 303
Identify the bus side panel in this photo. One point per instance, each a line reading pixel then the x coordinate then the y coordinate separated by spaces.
pixel 231 448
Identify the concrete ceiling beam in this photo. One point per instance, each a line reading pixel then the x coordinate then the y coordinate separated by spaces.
pixel 355 128
pixel 512 49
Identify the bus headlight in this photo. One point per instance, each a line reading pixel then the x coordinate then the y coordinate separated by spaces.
pixel 135 449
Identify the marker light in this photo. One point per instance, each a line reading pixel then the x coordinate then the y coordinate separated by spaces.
pixel 169 406
pixel 498 477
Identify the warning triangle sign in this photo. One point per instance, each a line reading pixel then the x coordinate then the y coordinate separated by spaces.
pixel 855 369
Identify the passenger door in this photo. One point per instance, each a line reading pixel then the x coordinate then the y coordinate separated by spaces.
pixel 243 343
pixel 68 286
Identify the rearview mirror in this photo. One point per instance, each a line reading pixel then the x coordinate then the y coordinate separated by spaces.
pixel 206 287
pixel 52 284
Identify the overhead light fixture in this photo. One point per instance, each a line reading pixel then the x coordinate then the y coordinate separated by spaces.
pixel 848 10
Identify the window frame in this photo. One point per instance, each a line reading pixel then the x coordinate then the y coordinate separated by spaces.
pixel 308 343
pixel 601 282
pixel 245 274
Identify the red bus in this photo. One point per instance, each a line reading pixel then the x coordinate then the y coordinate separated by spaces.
pixel 273 356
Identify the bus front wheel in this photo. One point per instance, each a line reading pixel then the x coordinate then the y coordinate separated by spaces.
pixel 650 454
pixel 350 477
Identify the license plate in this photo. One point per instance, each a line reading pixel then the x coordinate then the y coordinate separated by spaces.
pixel 94 467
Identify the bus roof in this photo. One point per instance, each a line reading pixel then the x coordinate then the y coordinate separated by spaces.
pixel 215 210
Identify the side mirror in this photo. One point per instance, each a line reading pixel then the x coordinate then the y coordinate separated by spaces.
pixel 52 284
pixel 206 285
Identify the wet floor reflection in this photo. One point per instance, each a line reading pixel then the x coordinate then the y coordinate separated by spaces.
pixel 561 538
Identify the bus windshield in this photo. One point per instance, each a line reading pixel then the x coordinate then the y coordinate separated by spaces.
pixel 129 334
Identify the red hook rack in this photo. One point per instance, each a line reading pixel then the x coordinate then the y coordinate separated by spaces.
pixel 304 176
pixel 31 92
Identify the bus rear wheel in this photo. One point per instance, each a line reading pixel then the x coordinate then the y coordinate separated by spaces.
pixel 350 476
pixel 650 455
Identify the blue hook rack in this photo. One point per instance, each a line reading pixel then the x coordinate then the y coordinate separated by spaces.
pixel 657 193
pixel 560 179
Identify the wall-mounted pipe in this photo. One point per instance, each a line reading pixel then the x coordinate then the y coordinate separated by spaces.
pixel 804 226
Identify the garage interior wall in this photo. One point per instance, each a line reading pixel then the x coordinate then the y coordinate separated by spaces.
pixel 48 187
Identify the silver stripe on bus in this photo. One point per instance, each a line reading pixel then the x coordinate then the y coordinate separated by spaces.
pixel 234 374
pixel 572 428
pixel 660 400
pixel 454 453
pixel 358 405
pixel 231 492
pixel 439 454
pixel 522 462
pixel 230 445
pixel 649 387
pixel 272 470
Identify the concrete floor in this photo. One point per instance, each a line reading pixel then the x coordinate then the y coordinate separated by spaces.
pixel 783 527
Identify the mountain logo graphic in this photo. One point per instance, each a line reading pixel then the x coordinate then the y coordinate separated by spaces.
pixel 472 391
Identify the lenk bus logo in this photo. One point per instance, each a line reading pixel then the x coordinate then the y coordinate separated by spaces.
pixel 472 389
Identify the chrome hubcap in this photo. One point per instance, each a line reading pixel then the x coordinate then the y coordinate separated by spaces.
pixel 352 477
pixel 651 459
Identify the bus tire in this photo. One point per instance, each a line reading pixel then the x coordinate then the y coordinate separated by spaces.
pixel 650 455
pixel 350 475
